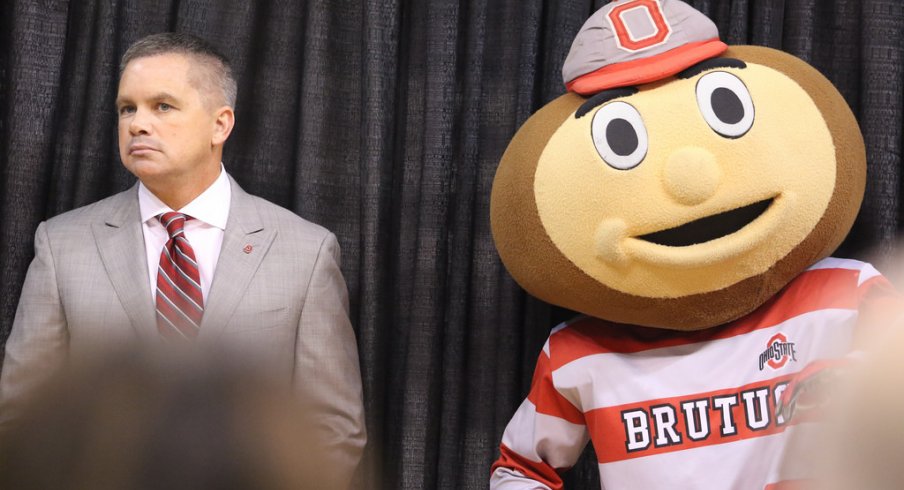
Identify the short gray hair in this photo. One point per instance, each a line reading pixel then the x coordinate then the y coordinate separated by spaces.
pixel 210 59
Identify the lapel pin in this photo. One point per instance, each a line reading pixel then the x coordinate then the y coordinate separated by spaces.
pixel 247 249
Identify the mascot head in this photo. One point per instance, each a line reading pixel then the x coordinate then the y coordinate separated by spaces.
pixel 680 183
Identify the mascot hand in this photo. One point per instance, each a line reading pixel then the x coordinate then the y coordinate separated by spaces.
pixel 812 389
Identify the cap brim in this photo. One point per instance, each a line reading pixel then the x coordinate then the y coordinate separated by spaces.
pixel 646 70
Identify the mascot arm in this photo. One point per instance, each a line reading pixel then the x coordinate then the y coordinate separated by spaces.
pixel 546 435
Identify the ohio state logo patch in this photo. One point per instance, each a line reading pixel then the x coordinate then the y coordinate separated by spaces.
pixel 778 352
pixel 639 25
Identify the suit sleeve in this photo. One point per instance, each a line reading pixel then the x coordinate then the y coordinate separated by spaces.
pixel 327 369
pixel 38 341
pixel 545 437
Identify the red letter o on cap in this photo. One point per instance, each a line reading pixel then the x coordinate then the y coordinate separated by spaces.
pixel 623 35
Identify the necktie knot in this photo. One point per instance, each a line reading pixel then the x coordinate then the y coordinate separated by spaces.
pixel 173 222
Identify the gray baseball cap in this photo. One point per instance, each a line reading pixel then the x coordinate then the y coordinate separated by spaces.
pixel 631 42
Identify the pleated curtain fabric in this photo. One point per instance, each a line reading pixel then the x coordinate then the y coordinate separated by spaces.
pixel 384 121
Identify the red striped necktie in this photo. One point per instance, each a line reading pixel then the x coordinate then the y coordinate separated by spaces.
pixel 180 304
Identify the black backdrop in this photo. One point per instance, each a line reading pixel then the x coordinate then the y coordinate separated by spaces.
pixel 384 121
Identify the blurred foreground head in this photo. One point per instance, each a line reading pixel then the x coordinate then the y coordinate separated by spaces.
pixel 847 416
pixel 135 422
pixel 866 435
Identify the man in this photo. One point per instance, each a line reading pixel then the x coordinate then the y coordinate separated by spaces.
pixel 186 256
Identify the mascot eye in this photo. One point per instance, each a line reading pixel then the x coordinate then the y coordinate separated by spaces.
pixel 619 135
pixel 725 104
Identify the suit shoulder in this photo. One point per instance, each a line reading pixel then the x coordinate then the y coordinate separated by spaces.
pixel 287 221
pixel 86 215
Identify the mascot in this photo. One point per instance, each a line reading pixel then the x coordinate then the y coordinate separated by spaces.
pixel 684 196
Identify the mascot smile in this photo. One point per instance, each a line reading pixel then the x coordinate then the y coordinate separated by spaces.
pixel 697 189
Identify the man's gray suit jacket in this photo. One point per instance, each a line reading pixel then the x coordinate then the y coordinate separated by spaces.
pixel 277 293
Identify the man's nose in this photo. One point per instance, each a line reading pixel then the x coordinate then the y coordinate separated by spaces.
pixel 140 123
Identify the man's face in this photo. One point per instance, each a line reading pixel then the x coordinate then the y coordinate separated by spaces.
pixel 166 131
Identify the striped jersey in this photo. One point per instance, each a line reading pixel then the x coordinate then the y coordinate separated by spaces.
pixel 668 409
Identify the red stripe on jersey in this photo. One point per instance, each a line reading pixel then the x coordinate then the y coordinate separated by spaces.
pixel 540 472
pixel 547 399
pixel 610 435
pixel 811 291
pixel 882 306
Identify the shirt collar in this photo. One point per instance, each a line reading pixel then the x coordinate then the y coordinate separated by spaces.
pixel 211 206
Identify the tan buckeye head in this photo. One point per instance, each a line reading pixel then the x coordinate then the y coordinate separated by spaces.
pixel 680 183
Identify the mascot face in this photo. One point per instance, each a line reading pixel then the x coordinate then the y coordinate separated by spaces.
pixel 688 187
pixel 683 203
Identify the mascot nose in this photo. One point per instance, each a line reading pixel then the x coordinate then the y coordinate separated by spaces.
pixel 691 175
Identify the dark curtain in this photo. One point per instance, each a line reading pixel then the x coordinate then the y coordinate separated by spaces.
pixel 384 121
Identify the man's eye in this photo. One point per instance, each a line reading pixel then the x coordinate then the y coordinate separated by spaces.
pixel 124 110
pixel 164 107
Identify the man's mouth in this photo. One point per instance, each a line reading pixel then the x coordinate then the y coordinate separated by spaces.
pixel 709 228
pixel 141 148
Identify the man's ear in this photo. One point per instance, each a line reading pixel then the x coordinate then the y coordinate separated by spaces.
pixel 223 124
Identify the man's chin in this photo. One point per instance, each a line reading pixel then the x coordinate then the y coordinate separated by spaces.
pixel 146 168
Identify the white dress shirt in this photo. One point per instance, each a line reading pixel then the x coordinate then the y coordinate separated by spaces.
pixel 210 211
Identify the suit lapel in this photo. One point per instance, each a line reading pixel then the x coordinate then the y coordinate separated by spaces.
pixel 120 243
pixel 245 243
